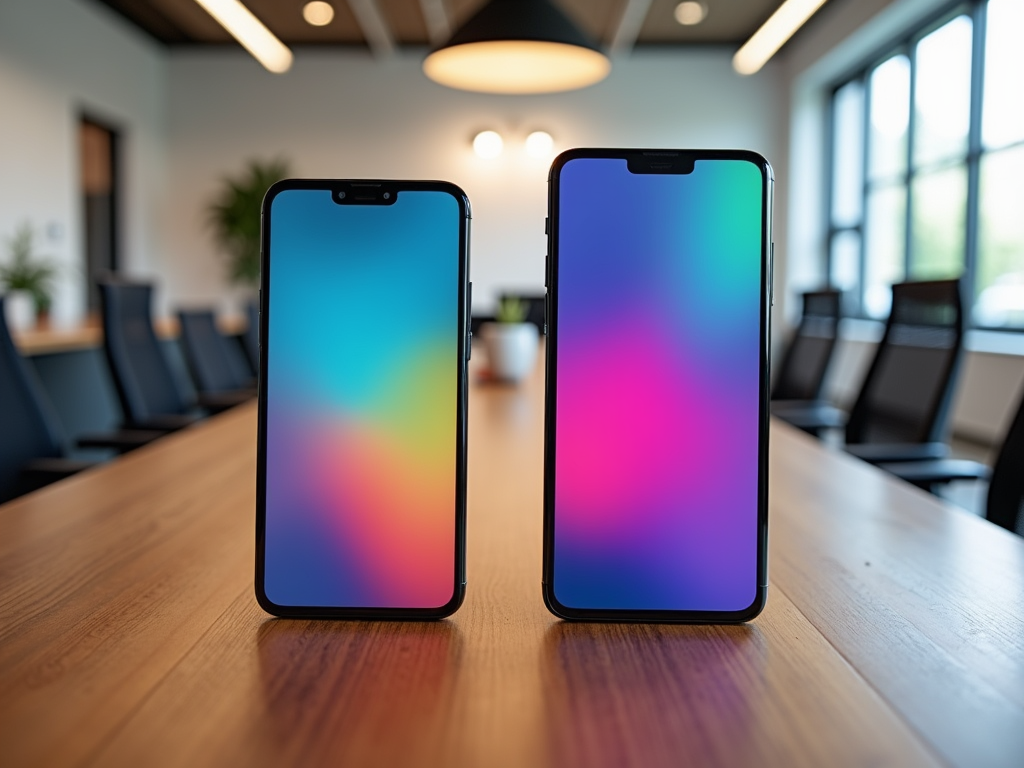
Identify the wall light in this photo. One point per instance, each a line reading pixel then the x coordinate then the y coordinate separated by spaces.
pixel 691 12
pixel 773 34
pixel 539 144
pixel 488 144
pixel 517 46
pixel 251 33
pixel 318 13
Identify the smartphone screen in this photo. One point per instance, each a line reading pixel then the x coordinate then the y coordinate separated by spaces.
pixel 655 483
pixel 362 482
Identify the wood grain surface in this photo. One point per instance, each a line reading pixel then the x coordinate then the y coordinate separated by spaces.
pixel 129 634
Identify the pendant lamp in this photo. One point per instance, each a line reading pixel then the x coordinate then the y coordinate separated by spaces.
pixel 517 46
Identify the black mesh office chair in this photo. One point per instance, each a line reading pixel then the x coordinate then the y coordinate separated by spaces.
pixel 33 446
pixel 251 337
pixel 1005 502
pixel 802 371
pixel 902 410
pixel 216 366
pixel 145 384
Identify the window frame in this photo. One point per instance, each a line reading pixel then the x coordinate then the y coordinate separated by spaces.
pixel 971 158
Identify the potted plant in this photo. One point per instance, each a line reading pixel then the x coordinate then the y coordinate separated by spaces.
pixel 511 342
pixel 234 216
pixel 27 281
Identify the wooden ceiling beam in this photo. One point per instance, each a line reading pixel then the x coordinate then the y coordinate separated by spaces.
pixel 374 28
pixel 630 23
pixel 439 28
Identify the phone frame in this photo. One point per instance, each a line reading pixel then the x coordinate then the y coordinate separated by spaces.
pixel 674 159
pixel 366 187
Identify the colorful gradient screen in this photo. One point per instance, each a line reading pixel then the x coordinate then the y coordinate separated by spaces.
pixel 362 373
pixel 659 335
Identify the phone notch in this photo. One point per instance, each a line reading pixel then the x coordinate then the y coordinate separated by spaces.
pixel 660 162
pixel 365 193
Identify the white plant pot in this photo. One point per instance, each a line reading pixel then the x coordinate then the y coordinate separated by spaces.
pixel 511 349
pixel 21 310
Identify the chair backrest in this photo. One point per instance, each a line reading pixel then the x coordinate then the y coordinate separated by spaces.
pixel 802 371
pixel 1005 505
pixel 142 375
pixel 214 364
pixel 906 395
pixel 251 337
pixel 30 426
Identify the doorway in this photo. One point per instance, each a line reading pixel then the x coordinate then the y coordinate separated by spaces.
pixel 99 149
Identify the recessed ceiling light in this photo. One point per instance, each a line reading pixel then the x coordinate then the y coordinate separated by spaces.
pixel 318 13
pixel 488 144
pixel 691 12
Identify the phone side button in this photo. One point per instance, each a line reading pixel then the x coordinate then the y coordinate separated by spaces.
pixel 469 345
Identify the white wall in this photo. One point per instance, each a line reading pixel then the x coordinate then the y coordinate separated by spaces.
pixel 59 58
pixel 343 114
pixel 844 34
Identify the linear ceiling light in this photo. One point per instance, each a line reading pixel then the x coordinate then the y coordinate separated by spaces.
pixel 250 32
pixel 517 46
pixel 773 34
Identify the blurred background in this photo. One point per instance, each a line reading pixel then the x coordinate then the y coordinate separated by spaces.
pixel 895 127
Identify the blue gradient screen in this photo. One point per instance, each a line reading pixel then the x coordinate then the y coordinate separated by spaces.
pixel 659 340
pixel 361 389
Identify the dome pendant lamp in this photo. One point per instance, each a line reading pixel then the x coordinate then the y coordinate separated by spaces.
pixel 517 46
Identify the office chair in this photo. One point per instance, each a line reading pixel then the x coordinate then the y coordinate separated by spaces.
pixel 33 445
pixel 1004 504
pixel 902 409
pixel 217 370
pixel 251 337
pixel 802 371
pixel 142 376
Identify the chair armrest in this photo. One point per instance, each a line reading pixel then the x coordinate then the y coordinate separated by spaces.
pixel 215 402
pixel 123 440
pixel 877 453
pixel 168 422
pixel 809 415
pixel 39 473
pixel 925 474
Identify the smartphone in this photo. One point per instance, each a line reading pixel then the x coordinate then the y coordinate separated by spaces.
pixel 364 333
pixel 657 355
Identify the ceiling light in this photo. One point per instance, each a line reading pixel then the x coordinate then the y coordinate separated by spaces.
pixel 539 144
pixel 691 12
pixel 318 13
pixel 773 34
pixel 517 46
pixel 488 144
pixel 250 32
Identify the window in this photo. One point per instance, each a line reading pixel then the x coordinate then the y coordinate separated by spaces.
pixel 927 166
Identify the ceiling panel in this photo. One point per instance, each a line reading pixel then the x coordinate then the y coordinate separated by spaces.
pixel 178 22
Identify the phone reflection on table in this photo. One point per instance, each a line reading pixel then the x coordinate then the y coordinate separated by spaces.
pixel 364 692
pixel 616 690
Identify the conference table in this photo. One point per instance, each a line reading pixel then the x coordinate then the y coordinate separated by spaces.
pixel 129 634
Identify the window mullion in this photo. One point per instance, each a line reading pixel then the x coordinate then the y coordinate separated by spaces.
pixel 909 178
pixel 974 150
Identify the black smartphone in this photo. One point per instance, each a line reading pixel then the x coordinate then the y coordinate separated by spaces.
pixel 656 421
pixel 364 331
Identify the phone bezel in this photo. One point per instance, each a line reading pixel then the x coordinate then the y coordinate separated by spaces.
pixel 459 566
pixel 688 156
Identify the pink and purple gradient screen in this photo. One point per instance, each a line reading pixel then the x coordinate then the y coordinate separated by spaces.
pixel 362 401
pixel 658 387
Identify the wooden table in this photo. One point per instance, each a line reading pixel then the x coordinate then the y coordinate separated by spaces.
pixel 129 635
